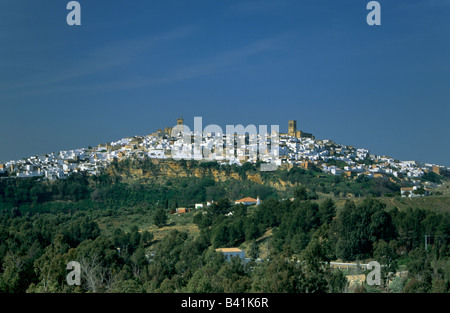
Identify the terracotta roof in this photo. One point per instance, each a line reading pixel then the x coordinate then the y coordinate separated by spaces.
pixel 247 199
pixel 229 250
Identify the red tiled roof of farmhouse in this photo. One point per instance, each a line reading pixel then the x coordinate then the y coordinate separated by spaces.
pixel 229 250
pixel 247 199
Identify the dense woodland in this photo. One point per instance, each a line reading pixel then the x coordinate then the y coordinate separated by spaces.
pixel 44 225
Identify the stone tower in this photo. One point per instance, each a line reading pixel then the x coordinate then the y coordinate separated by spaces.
pixel 292 128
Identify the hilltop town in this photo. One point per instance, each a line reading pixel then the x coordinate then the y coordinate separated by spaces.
pixel 294 148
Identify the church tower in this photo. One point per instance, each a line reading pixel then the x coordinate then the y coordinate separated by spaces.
pixel 292 128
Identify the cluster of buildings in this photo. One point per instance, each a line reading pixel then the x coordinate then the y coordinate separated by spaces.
pixel 297 147
pixel 59 165
pixel 338 159
pixel 282 149
pixel 245 201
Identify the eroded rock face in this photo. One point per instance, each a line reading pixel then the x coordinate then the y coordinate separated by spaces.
pixel 160 170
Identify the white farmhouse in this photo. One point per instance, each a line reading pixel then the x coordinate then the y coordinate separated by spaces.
pixel 232 252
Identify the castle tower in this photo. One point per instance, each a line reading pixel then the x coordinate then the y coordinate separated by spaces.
pixel 292 128
pixel 168 130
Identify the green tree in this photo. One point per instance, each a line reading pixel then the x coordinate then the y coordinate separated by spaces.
pixel 204 280
pixel 277 276
pixel 300 193
pixel 419 271
pixel 359 227
pixel 11 276
pixel 254 250
pixel 126 286
pixel 138 262
pixel 220 236
pixel 327 210
pixel 315 267
pixel 233 277
pixel 50 267
pixel 384 253
pixel 337 282
pixel 219 208
pixel 160 218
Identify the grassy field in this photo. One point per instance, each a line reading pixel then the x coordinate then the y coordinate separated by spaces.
pixel 143 221
pixel 180 222
pixel 444 189
pixel 124 222
pixel 439 203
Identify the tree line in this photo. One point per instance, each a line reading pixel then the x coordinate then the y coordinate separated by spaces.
pixel 44 225
pixel 35 248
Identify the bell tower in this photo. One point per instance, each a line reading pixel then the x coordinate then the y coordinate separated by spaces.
pixel 292 128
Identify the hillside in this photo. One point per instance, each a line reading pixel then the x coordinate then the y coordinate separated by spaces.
pixel 434 203
pixel 114 220
pixel 284 180
pixel 170 183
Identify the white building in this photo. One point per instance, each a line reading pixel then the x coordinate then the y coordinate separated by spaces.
pixel 232 252
pixel 410 192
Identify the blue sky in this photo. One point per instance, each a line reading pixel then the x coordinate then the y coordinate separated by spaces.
pixel 135 66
